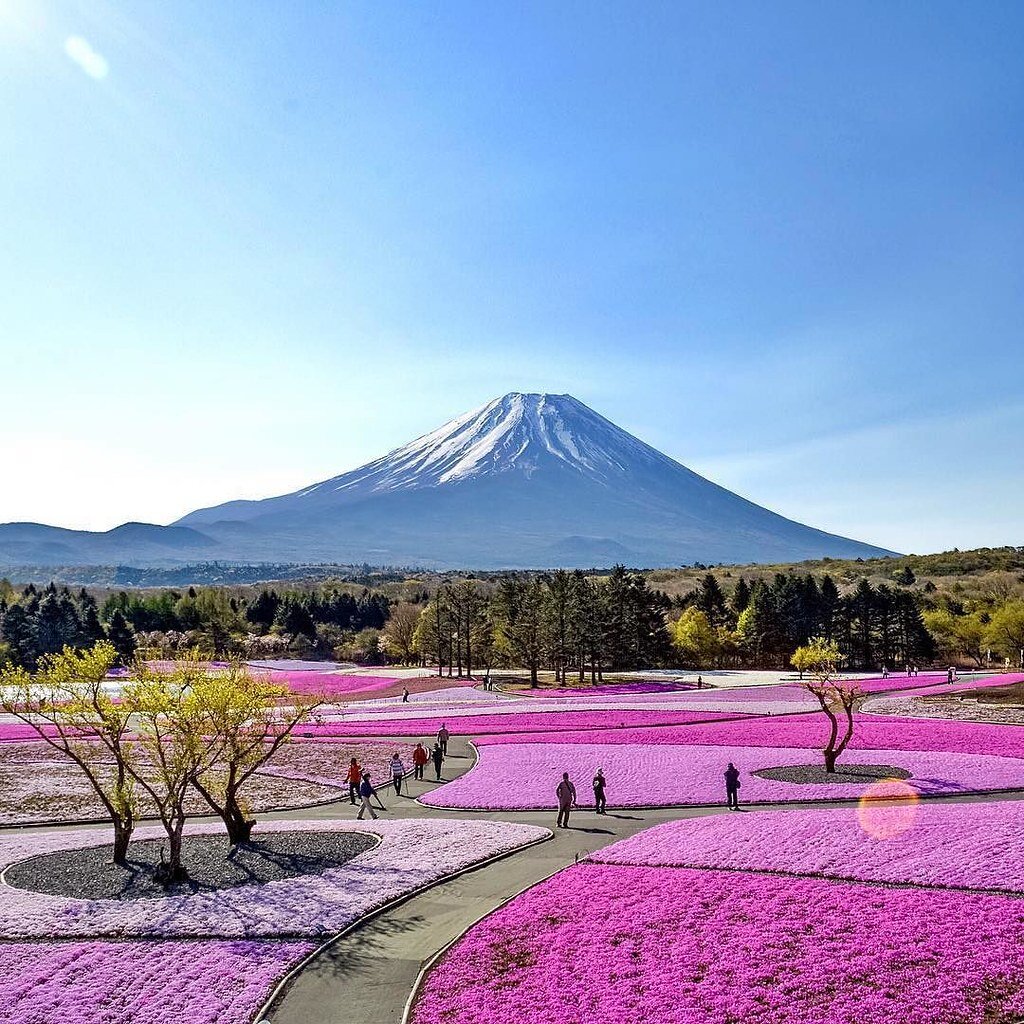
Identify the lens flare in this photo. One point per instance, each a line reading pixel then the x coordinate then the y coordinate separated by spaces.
pixel 887 809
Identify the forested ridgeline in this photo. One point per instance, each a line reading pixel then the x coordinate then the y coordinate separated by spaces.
pixel 575 623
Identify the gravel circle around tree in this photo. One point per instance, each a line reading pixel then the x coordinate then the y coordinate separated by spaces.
pixel 850 774
pixel 88 872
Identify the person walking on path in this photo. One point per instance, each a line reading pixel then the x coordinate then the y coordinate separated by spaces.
pixel 354 777
pixel 405 695
pixel 366 791
pixel 566 793
pixel 437 754
pixel 443 736
pixel 397 773
pixel 599 783
pixel 700 682
pixel 419 758
pixel 732 786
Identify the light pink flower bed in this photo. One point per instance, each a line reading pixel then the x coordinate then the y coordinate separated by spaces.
pixel 128 982
pixel 659 775
pixel 605 944
pixel 973 846
pixel 412 853
pixel 807 730
pixel 37 785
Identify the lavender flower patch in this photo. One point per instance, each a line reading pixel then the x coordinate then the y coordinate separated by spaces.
pixel 412 853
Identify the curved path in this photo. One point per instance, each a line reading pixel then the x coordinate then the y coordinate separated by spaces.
pixel 368 975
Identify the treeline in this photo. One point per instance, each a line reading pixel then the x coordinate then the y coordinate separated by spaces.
pixel 764 623
pixel 562 620
pixel 34 623
pixel 327 622
pixel 575 624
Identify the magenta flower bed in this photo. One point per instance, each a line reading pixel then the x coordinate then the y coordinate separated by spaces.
pixel 16 732
pixel 413 852
pixel 603 689
pixel 660 775
pixel 809 730
pixel 552 722
pixel 605 944
pixel 129 982
pixel 330 684
pixel 973 846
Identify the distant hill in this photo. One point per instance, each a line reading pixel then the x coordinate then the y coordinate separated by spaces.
pixel 526 481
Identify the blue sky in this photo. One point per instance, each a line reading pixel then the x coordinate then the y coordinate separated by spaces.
pixel 248 246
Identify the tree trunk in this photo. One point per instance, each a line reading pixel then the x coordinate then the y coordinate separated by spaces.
pixel 122 836
pixel 830 761
pixel 239 827
pixel 533 675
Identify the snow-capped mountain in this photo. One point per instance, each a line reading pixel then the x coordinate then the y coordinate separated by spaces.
pixel 527 480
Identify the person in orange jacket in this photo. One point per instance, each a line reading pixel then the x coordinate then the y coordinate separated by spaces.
pixel 354 777
pixel 419 760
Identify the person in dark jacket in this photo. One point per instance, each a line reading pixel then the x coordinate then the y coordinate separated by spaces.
pixel 366 792
pixel 437 755
pixel 599 783
pixel 566 793
pixel 732 786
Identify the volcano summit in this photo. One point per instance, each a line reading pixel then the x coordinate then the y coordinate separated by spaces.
pixel 527 480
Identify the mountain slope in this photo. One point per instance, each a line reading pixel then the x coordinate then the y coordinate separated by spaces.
pixel 524 481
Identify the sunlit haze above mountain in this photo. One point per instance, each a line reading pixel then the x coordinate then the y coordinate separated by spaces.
pixel 251 247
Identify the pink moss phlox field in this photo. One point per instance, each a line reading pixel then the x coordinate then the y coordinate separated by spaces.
pixel 660 775
pixel 413 852
pixel 330 684
pixel 808 730
pixel 552 722
pixel 605 944
pixel 970 846
pixel 214 982
pixel 603 689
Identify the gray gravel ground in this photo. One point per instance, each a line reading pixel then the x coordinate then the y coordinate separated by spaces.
pixel 88 873
pixel 853 774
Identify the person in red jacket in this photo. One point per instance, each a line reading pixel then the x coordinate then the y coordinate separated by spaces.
pixel 419 760
pixel 354 777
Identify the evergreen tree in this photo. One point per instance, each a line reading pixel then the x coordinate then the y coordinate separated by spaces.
pixel 711 601
pixel 18 632
pixel 740 598
pixel 122 637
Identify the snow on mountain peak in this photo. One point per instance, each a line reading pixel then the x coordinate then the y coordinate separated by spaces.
pixel 515 433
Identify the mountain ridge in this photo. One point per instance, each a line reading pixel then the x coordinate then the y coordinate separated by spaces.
pixel 527 480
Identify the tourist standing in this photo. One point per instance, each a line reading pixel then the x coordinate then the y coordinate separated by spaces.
pixel 437 755
pixel 566 793
pixel 732 786
pixel 397 773
pixel 354 777
pixel 599 784
pixel 366 791
pixel 405 695
pixel 443 736
pixel 419 760
pixel 700 682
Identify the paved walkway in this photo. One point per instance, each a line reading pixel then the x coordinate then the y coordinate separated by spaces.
pixel 368 975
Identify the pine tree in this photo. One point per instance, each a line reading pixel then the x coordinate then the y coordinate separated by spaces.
pixel 18 632
pixel 122 637
pixel 740 597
